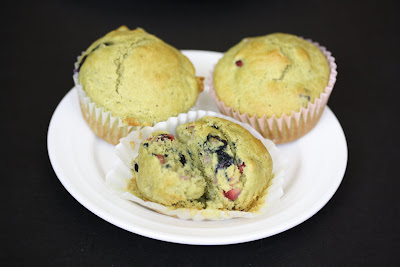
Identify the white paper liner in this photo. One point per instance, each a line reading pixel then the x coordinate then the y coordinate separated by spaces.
pixel 120 174
pixel 287 127
pixel 103 124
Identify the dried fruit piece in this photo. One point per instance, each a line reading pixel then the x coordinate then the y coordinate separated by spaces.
pixel 241 166
pixel 232 194
pixel 136 167
pixel 161 158
pixel 239 63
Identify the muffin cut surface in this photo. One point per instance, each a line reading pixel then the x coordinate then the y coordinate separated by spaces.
pixel 211 164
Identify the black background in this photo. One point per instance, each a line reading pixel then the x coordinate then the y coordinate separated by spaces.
pixel 41 223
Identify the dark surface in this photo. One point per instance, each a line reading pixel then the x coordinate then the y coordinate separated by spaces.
pixel 41 223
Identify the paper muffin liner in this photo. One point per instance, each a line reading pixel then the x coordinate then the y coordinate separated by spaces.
pixel 287 128
pixel 121 173
pixel 101 122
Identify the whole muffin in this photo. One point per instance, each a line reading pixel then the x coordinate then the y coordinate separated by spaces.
pixel 212 164
pixel 137 78
pixel 269 77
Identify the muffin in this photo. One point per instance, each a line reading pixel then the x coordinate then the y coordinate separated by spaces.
pixel 212 163
pixel 129 78
pixel 279 83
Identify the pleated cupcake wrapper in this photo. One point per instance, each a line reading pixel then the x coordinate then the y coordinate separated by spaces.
pixel 288 127
pixel 121 173
pixel 102 123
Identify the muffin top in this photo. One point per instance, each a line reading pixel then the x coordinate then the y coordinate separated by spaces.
pixel 212 163
pixel 273 74
pixel 138 77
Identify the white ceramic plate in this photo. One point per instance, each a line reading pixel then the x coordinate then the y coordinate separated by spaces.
pixel 317 163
